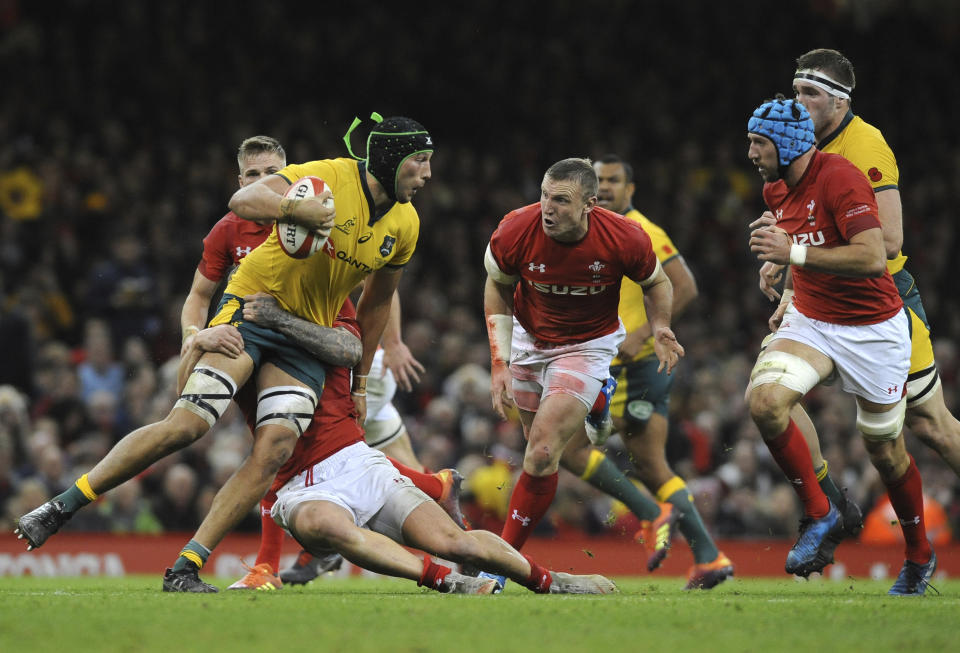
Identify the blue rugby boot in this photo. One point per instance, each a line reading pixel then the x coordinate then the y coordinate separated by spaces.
pixel 501 580
pixel 817 542
pixel 599 425
pixel 914 578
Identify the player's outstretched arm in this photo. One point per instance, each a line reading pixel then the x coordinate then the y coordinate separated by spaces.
pixel 498 310
pixel 396 355
pixel 658 301
pixel 332 345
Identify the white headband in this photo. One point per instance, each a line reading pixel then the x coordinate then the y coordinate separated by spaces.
pixel 823 81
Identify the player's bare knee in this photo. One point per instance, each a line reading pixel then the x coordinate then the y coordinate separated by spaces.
pixel 273 447
pixel 180 431
pixel 769 412
pixel 540 461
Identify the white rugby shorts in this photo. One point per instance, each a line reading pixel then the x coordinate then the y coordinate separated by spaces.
pixel 871 360
pixel 359 479
pixel 578 370
pixel 383 424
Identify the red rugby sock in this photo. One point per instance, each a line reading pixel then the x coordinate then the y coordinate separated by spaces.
pixel 790 451
pixel 529 502
pixel 271 535
pixel 433 575
pixel 429 483
pixel 539 579
pixel 906 497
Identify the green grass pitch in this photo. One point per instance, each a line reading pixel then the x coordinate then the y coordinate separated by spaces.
pixel 385 615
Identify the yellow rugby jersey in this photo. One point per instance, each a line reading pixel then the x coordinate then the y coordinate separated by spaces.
pixel 631 308
pixel 360 242
pixel 863 145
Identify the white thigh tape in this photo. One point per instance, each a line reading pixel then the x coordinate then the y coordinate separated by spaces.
pixel 291 406
pixel 207 393
pixel 784 369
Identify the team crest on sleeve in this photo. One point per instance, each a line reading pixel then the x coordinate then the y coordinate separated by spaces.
pixel 387 245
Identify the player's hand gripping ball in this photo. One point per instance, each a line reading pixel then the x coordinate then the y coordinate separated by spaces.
pixel 296 240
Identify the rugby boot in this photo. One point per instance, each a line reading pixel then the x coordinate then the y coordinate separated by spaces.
pixel 852 517
pixel 40 523
pixel 186 580
pixel 455 583
pixel 914 578
pixel 501 581
pixel 564 583
pixel 707 575
pixel 307 567
pixel 259 577
pixel 656 536
pixel 450 497
pixel 599 425
pixel 818 540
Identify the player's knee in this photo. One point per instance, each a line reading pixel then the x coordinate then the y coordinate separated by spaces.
pixel 320 527
pixel 773 370
pixel 540 461
pixel 768 409
pixel 273 447
pixel 181 430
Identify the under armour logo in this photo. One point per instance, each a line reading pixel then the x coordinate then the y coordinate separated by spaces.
pixel 538 267
pixel 892 389
pixel 524 521
pixel 796 481
pixel 243 251
pixel 779 215
pixel 910 522
pixel 596 266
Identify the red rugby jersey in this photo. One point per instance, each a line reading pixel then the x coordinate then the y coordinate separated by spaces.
pixel 230 240
pixel 569 292
pixel 832 203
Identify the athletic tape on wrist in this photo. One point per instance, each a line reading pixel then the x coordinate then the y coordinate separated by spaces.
pixel 798 255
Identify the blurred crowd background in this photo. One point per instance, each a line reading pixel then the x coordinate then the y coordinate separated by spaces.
pixel 118 131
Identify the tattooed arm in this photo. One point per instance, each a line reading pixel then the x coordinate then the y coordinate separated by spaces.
pixel 333 346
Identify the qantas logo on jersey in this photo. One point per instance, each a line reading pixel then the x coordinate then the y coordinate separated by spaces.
pixel 349 260
pixel 555 289
pixel 810 239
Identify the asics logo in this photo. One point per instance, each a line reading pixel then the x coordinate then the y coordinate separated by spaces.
pixel 524 521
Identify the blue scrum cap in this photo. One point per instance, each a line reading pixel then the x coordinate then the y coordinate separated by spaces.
pixel 788 124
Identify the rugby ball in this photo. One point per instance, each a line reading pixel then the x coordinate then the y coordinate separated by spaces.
pixel 296 240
